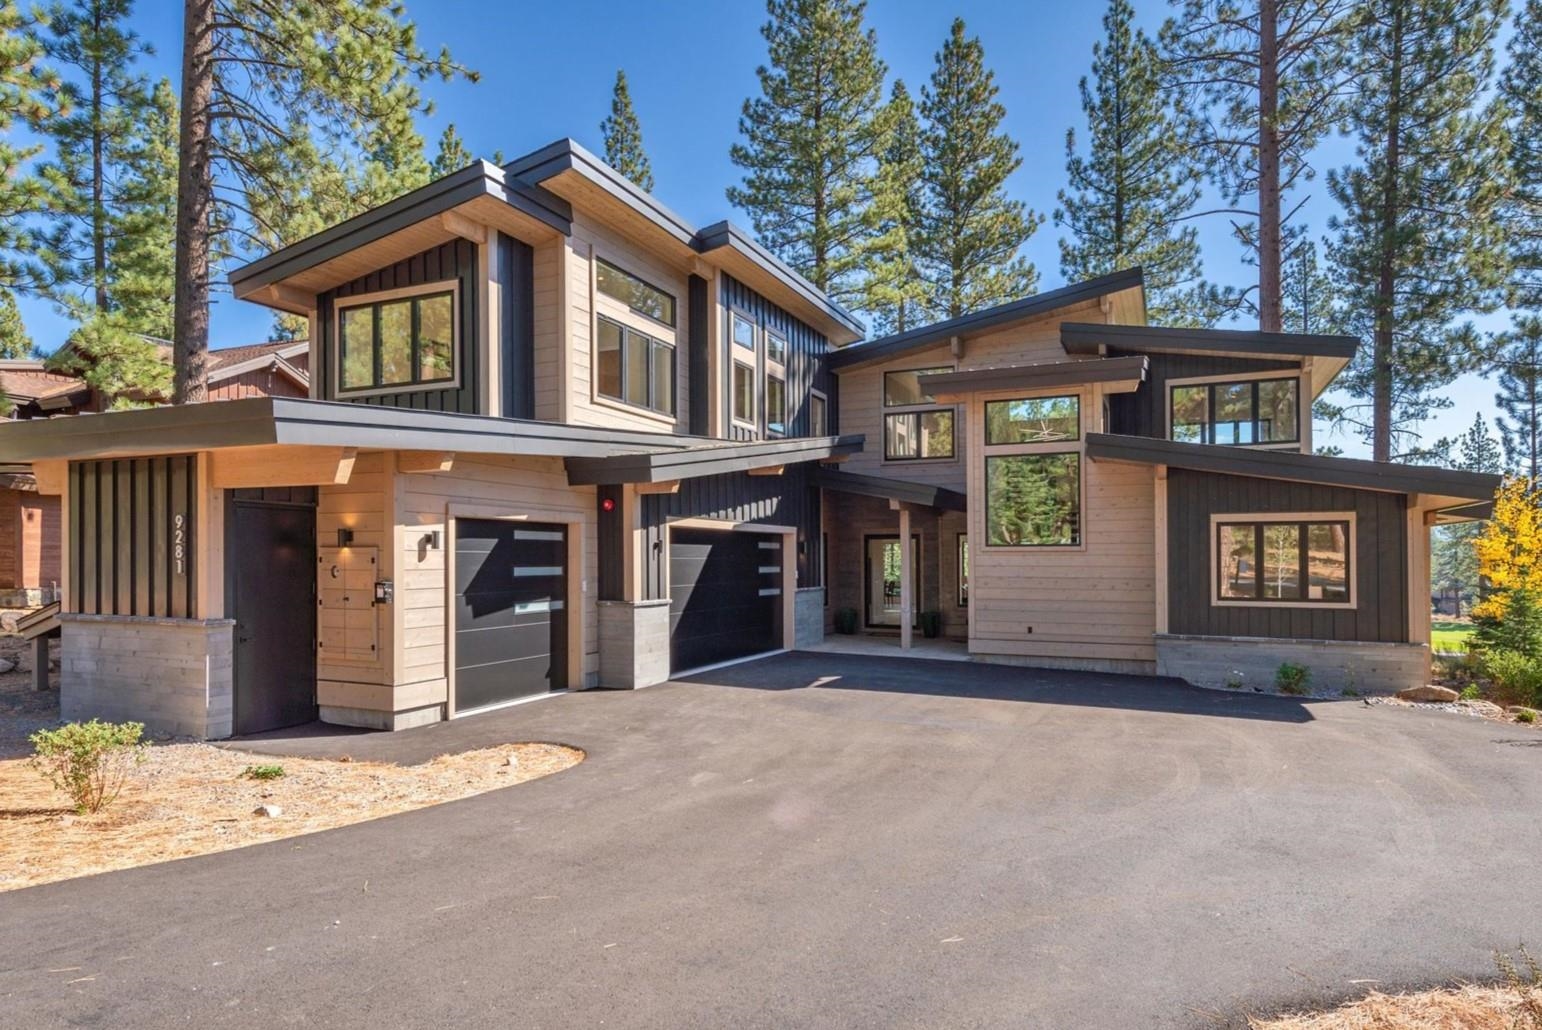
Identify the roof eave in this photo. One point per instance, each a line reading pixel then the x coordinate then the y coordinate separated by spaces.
pixel 698 461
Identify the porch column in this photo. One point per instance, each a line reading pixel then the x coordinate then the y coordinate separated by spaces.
pixel 907 578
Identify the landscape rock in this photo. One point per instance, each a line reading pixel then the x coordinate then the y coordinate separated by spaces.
pixel 268 811
pixel 1486 709
pixel 6 665
pixel 1428 692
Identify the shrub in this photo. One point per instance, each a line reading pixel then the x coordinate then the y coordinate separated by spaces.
pixel 1471 692
pixel 89 760
pixel 1511 621
pixel 1515 678
pixel 262 772
pixel 846 621
pixel 1526 715
pixel 1291 678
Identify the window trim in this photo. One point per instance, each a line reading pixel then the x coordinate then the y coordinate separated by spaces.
pixel 670 415
pixel 674 301
pixel 1219 519
pixel 1303 410
pixel 341 304
pixel 1037 451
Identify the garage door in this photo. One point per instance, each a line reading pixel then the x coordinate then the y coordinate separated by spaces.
pixel 725 595
pixel 510 611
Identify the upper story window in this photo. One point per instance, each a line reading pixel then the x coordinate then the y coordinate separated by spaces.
pixel 1033 420
pixel 743 331
pixel 776 347
pixel 634 368
pixel 818 414
pixel 396 342
pixel 1256 411
pixel 1284 560
pixel 641 297
pixel 925 431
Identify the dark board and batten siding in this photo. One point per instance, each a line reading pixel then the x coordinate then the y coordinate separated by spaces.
pixel 126 517
pixel 1381 599
pixel 806 366
pixel 785 500
pixel 1144 412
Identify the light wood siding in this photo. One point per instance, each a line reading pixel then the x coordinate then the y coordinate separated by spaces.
pixel 453 261
pixel 1144 412
pixel 806 349
pixel 548 321
pixel 851 519
pixel 134 536
pixel 1381 599
pixel 359 505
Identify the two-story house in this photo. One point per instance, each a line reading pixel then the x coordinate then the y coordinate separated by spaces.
pixel 559 438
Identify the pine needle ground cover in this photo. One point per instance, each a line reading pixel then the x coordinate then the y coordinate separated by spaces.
pixel 1470 1007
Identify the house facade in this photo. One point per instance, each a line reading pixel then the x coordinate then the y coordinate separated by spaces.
pixel 557 438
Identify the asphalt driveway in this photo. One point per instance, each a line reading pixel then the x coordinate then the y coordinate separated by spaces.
pixel 819 840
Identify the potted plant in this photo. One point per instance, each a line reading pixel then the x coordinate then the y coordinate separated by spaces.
pixel 846 621
pixel 931 625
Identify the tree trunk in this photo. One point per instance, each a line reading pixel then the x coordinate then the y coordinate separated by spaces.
pixel 195 198
pixel 98 144
pixel 1386 281
pixel 1269 229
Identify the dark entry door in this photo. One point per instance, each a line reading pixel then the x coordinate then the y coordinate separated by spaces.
pixel 510 610
pixel 725 595
pixel 272 559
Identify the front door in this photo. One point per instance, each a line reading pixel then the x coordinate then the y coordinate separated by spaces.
pixel 272 562
pixel 883 580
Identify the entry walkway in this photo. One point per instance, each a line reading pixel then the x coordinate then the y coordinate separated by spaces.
pixel 889 647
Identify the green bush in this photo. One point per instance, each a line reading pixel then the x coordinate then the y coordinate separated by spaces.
pixel 1514 678
pixel 1519 629
pixel 89 760
pixel 1471 692
pixel 1291 678
pixel 1526 715
pixel 262 772
pixel 846 621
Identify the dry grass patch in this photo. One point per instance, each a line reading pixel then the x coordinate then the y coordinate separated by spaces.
pixel 192 799
pixel 1508 1007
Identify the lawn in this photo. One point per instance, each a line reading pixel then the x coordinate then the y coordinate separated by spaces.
pixel 1450 637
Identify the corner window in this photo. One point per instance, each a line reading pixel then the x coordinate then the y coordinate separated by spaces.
pixel 1241 413
pixel 744 393
pixel 776 403
pixel 818 418
pixel 397 342
pixel 634 293
pixel 1283 562
pixel 1033 500
pixel 634 368
pixel 918 435
pixel 963 570
pixel 1033 420
pixel 776 347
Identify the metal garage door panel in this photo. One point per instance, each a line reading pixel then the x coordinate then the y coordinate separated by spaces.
pixel 510 610
pixel 725 595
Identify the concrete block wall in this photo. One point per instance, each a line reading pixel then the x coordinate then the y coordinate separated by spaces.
pixel 1335 665
pixel 808 615
pixel 173 675
pixel 634 643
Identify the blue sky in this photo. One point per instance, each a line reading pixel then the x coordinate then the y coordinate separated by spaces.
pixel 546 72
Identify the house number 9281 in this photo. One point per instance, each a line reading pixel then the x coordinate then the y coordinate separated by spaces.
pixel 179 543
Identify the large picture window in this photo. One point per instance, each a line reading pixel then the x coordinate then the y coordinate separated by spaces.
pixel 1033 420
pixel 1258 411
pixel 1033 500
pixel 917 435
pixel 1283 562
pixel 397 342
pixel 641 297
pixel 635 368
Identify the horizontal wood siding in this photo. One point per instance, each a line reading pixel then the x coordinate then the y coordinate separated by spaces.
pixel 785 500
pixel 806 371
pixel 455 260
pixel 1381 600
pixel 1144 412
pixel 124 552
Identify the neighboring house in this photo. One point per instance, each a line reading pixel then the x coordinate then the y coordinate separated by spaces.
pixel 559 438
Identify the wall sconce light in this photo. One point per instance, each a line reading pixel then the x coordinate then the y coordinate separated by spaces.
pixel 344 537
pixel 430 540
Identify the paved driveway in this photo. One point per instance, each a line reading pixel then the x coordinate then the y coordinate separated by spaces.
pixel 841 842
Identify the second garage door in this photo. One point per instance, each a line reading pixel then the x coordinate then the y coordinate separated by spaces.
pixel 510 611
pixel 725 595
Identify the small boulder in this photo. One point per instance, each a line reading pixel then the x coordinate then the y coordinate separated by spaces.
pixel 1428 692
pixel 268 811
pixel 6 665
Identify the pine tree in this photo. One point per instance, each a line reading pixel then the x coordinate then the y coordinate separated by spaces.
pixel 1310 296
pixel 452 155
pixel 1521 88
pixel 142 238
pixel 351 66
pixel 812 142
pixel 1265 79
pixel 1454 562
pixel 1418 244
pixel 894 293
pixel 1128 196
pixel 623 137
pixel 29 99
pixel 1519 364
pixel 15 342
pixel 970 231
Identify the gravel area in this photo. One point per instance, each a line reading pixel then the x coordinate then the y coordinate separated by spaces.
pixel 22 709
pixel 1476 709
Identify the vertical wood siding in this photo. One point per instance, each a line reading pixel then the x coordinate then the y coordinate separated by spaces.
pixel 1381 598
pixel 1144 412
pixel 123 547
pixel 260 382
pixel 697 344
pixel 455 260
pixel 806 350
pixel 785 500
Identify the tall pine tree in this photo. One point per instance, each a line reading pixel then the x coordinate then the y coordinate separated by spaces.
pixel 623 137
pixel 15 341
pixel 1128 196
pixel 894 293
pixel 452 155
pixel 1521 87
pixel 970 232
pixel 1265 80
pixel 812 142
pixel 1519 364
pixel 29 98
pixel 1418 244
pixel 1453 562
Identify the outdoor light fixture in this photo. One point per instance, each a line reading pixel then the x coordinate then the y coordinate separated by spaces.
pixel 430 540
pixel 344 536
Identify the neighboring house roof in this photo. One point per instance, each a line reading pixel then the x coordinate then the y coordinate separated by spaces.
pixel 27 382
pixel 887 347
pixel 1454 485
pixel 885 488
pixel 706 458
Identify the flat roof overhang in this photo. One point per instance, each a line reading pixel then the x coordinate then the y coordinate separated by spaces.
pixel 1118 375
pixel 1328 354
pixel 702 458
pixel 901 491
pixel 1438 489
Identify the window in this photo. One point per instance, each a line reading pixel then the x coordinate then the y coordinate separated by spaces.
pixel 1033 500
pixel 634 368
pixel 904 388
pixel 1033 420
pixel 918 435
pixel 818 420
pixel 634 293
pixel 963 570
pixel 776 347
pixel 776 403
pixel 401 342
pixel 1239 413
pixel 744 393
pixel 744 332
pixel 1288 562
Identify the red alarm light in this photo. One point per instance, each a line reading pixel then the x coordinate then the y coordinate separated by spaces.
pixel 608 504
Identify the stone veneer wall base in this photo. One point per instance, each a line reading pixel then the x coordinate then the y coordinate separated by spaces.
pixel 808 616
pixel 634 643
pixel 1335 665
pixel 369 719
